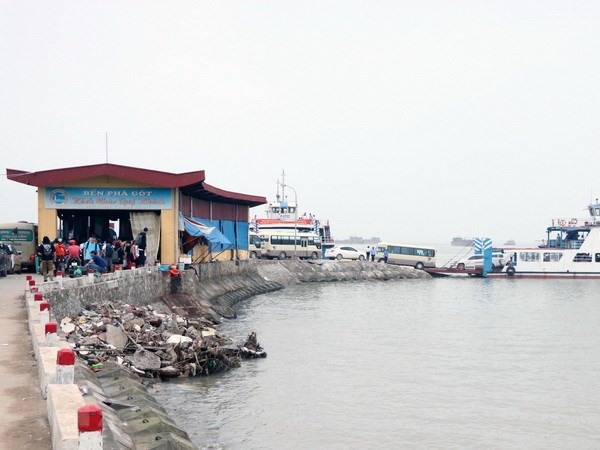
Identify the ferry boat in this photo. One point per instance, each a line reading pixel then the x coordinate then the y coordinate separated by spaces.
pixel 282 215
pixel 571 249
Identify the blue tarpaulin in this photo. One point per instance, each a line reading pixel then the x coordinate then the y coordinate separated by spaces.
pixel 196 227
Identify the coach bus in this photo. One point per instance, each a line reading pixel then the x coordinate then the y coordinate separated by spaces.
pixel 23 237
pixel 417 256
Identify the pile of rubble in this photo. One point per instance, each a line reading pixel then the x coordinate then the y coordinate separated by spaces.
pixel 152 343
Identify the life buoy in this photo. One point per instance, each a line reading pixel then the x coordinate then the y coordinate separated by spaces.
pixel 562 222
pixel 510 271
pixel 573 221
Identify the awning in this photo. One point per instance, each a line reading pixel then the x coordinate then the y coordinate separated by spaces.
pixel 196 228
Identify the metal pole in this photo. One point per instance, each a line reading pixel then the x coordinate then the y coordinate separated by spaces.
pixel 295 218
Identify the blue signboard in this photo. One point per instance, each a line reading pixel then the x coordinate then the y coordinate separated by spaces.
pixel 107 198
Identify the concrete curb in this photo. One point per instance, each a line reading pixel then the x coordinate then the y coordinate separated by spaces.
pixel 64 402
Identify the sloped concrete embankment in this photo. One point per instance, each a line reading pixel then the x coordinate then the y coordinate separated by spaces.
pixel 298 271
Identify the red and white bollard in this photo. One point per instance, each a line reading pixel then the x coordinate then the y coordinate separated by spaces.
pixel 65 366
pixel 44 312
pixel 32 287
pixel 90 276
pixel 89 423
pixel 51 329
pixel 59 278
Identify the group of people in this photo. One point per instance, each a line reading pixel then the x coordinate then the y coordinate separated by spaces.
pixel 93 254
pixel 371 251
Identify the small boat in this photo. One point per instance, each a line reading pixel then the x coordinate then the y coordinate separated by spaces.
pixel 571 249
pixel 461 242
pixel 510 242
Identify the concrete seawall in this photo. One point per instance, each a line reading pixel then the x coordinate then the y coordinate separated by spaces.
pixel 209 290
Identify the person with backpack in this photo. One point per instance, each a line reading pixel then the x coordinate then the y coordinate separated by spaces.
pixel 90 246
pixel 118 253
pixel 109 252
pixel 140 242
pixel 60 251
pixel 46 254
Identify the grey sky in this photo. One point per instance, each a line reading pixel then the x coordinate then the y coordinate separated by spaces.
pixel 412 121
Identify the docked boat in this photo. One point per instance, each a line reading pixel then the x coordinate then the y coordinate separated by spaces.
pixel 571 249
pixel 283 215
pixel 461 242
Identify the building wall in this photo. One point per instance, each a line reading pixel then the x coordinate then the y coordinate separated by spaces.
pixel 169 220
pixel 169 244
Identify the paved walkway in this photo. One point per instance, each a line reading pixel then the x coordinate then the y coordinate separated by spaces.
pixel 22 408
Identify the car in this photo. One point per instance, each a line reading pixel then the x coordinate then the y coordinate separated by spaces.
pixel 476 261
pixel 344 252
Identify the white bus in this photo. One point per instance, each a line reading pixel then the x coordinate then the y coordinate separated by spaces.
pixel 280 244
pixel 23 236
pixel 417 256
pixel 254 245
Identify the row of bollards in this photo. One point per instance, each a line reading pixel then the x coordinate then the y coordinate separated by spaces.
pixel 60 381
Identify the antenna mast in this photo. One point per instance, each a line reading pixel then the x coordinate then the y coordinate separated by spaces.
pixel 106 140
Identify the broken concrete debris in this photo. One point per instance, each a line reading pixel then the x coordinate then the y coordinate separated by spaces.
pixel 154 344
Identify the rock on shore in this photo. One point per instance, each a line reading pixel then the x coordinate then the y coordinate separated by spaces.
pixel 293 271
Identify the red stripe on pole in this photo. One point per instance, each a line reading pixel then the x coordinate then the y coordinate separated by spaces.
pixel 29 277
pixel 38 297
pixel 58 273
pixel 51 327
pixel 44 306
pixel 31 282
pixel 89 418
pixel 65 357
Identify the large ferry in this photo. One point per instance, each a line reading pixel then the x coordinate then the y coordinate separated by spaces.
pixel 571 249
pixel 283 215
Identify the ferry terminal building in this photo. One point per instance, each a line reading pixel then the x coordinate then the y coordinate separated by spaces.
pixel 187 219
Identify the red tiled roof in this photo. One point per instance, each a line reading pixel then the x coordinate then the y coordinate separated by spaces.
pixel 59 176
pixel 191 182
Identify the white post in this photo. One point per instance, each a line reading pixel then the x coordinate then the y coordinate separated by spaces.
pixel 59 278
pixel 65 366
pixel 51 331
pixel 90 276
pixel 89 423
pixel 44 312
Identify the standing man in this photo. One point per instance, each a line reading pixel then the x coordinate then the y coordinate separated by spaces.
pixel 373 253
pixel 46 255
pixel 385 255
pixel 90 246
pixel 140 241
pixel 368 252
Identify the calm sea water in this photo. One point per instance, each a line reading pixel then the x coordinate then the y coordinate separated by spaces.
pixel 440 363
